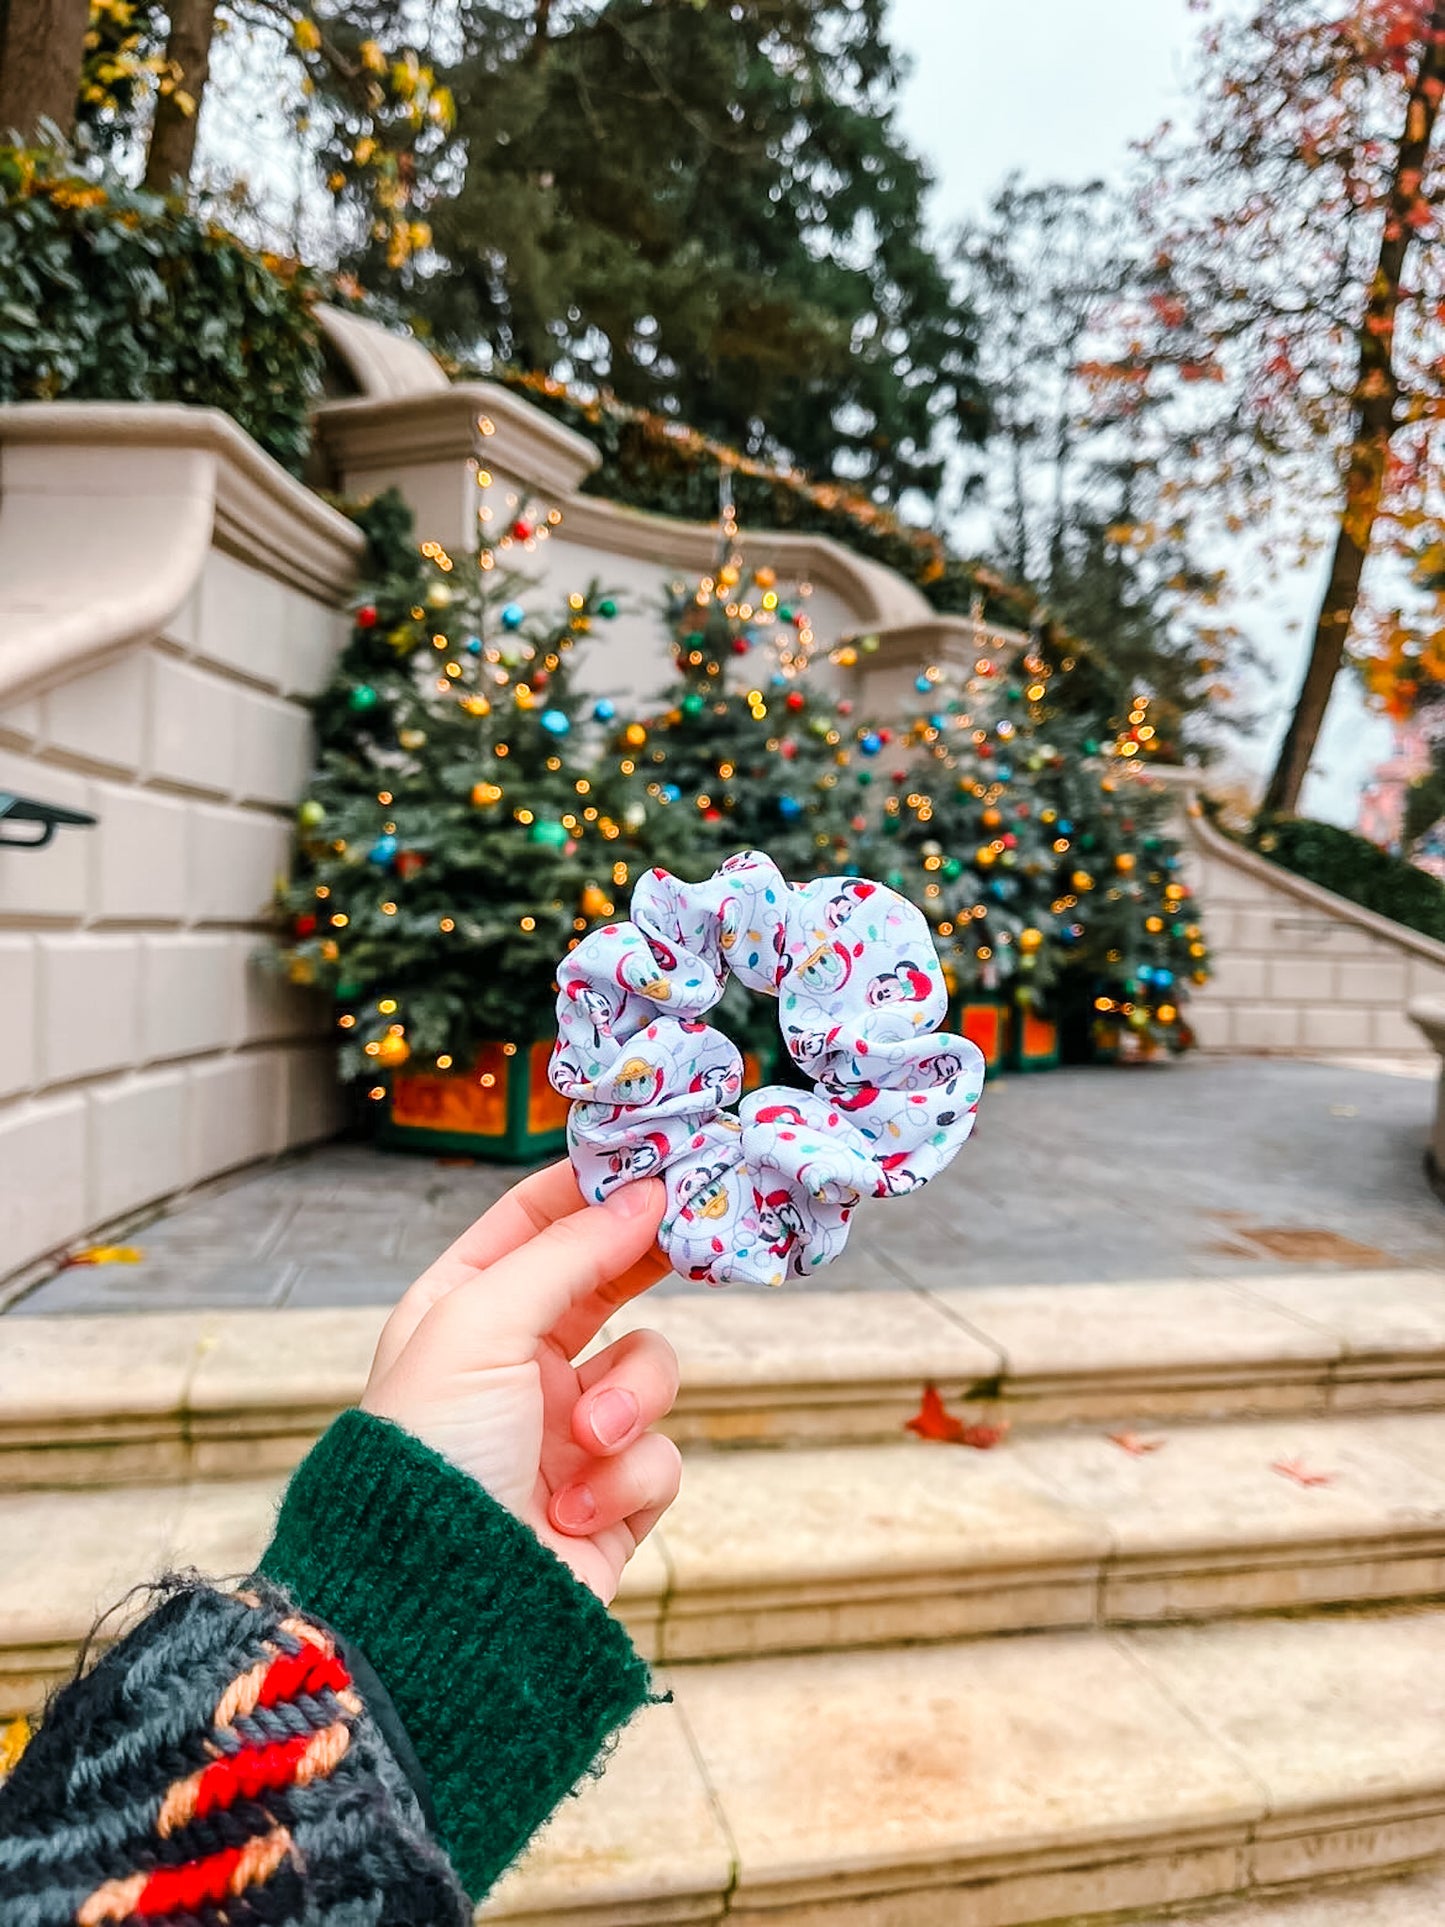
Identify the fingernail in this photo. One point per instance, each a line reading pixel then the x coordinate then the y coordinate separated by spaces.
pixel 612 1416
pixel 632 1200
pixel 574 1507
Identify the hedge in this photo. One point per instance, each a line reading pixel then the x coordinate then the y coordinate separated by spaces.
pixel 1354 868
pixel 108 293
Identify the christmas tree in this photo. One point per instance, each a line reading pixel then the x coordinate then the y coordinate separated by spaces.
pixel 749 751
pixel 462 829
pixel 1038 847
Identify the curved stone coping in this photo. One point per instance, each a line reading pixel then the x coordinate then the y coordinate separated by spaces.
pixel 381 361
pixel 884 598
pixel 402 430
pixel 1212 842
pixel 1428 1014
pixel 119 1398
pixel 107 512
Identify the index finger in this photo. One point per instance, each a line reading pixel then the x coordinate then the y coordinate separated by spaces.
pixel 529 1207
pixel 501 1314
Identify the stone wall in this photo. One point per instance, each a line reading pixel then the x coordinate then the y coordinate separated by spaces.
pixel 1298 970
pixel 170 597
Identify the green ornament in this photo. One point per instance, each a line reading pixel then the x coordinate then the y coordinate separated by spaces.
pixel 952 868
pixel 547 830
pixel 695 640
pixel 348 992
pixel 607 608
pixel 891 826
pixel 1091 746
pixel 1015 692
pixel 895 879
pixel 311 814
pixel 692 704
pixel 362 698
pixel 865 777
pixel 785 614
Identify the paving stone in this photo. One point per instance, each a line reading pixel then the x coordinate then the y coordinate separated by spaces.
pixel 162 1285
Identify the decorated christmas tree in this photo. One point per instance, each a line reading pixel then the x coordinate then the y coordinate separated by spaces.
pixel 1038 847
pixel 465 824
pixel 748 749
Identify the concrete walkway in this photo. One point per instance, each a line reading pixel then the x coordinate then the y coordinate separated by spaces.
pixel 1202 1168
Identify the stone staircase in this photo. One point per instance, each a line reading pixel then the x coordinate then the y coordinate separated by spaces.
pixel 1177 1644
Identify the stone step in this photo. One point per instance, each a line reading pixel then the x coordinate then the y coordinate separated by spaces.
pixel 1413 1900
pixel 997 1783
pixel 868 1545
pixel 174 1396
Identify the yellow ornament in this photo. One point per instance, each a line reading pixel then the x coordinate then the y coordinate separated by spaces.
pixel 765 578
pixel 485 794
pixel 984 856
pixel 1081 880
pixel 1166 1013
pixel 991 819
pixel 1030 941
pixel 1124 862
pixel 392 1050
pixel 634 735
pixel 330 949
pixel 524 696
pixel 595 902
pixel 476 705
pixel 1153 925
pixel 1048 816
pixel 411 738
pixel 301 970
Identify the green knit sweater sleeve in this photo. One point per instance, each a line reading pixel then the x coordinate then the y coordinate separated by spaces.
pixel 507 1674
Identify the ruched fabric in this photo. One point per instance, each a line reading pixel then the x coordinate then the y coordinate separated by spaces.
pixel 764 1192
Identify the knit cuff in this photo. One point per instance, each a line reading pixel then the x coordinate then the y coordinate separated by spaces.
pixel 508 1674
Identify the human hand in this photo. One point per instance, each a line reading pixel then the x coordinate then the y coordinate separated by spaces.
pixel 476 1362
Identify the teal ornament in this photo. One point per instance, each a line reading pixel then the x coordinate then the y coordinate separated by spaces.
pixel 556 722
pixel 474 645
pixel 547 830
pixel 785 614
pixel 922 685
pixel 789 808
pixel 513 616
pixel 607 608
pixel 362 698
pixel 952 868
pixel 692 704
pixel 604 711
pixel 668 793
pixel 1091 746
pixel 382 851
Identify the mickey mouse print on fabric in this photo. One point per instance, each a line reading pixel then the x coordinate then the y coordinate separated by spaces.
pixel 764 1192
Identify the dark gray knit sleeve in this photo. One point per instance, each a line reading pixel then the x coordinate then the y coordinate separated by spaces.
pixel 222 1758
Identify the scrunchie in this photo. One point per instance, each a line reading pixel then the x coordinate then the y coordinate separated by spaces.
pixel 766 1192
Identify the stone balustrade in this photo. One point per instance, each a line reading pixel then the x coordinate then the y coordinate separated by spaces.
pixel 170 597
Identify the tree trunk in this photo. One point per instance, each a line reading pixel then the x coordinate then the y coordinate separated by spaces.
pixel 173 132
pixel 1376 393
pixel 42 50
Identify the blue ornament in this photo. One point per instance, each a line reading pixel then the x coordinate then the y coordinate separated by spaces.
pixel 870 742
pixel 474 645
pixel 778 679
pixel 922 685
pixel 1064 826
pixel 669 792
pixel 789 808
pixel 513 616
pixel 604 711
pixel 939 722
pixel 1004 772
pixel 382 851
pixel 556 722
pixel 1163 978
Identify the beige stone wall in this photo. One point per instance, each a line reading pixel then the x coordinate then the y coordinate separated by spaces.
pixel 146 1045
pixel 1297 969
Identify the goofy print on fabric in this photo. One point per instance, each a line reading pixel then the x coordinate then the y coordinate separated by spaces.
pixel 764 1192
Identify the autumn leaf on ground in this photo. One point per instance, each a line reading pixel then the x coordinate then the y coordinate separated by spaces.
pixel 1297 1470
pixel 1135 1444
pixel 931 1421
pixel 14 1737
pixel 105 1255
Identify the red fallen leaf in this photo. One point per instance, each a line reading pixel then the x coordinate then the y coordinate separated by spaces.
pixel 1136 1446
pixel 1297 1470
pixel 931 1421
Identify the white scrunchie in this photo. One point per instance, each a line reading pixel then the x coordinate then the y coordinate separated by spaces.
pixel 763 1193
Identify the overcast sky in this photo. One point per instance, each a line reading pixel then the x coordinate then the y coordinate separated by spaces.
pixel 1058 89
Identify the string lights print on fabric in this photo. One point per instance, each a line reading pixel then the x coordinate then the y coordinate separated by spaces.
pixel 764 1192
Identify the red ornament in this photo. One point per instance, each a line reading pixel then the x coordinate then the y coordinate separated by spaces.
pixel 788 748
pixel 305 924
pixel 795 699
pixel 366 617
pixel 1009 840
pixel 741 645
pixel 885 735
pixel 539 679
pixel 845 709
pixel 409 863
pixel 522 530
pixel 712 816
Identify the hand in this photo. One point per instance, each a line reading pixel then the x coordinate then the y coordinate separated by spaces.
pixel 476 1361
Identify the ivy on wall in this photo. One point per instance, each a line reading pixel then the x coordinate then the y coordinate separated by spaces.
pixel 1356 869
pixel 108 293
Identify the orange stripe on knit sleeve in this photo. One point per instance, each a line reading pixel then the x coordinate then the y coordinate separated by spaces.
pixel 251 1772
pixel 174 1890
